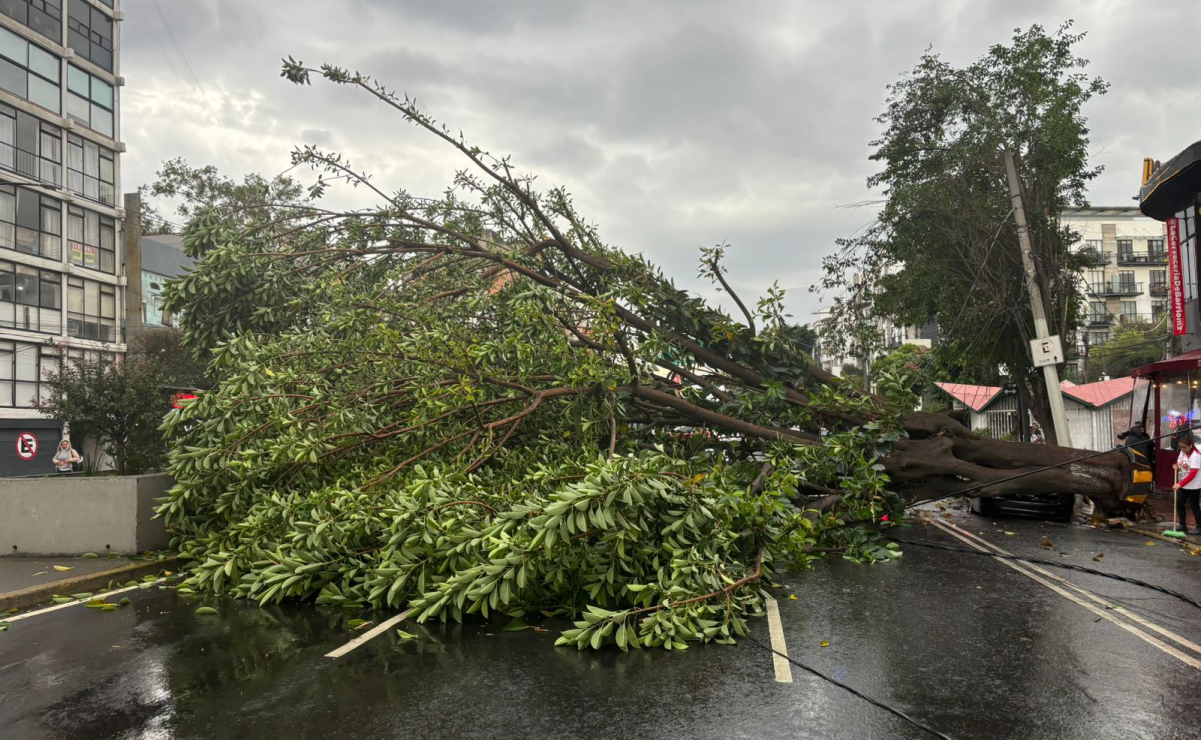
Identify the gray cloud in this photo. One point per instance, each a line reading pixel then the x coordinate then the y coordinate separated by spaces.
pixel 676 124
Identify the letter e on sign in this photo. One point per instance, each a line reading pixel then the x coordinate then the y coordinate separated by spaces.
pixel 27 446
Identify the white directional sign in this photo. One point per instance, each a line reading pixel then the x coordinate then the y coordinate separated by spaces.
pixel 27 446
pixel 1048 351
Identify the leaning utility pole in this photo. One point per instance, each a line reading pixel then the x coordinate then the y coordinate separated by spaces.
pixel 1050 372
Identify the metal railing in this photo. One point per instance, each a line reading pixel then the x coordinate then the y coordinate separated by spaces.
pixel 91 187
pixel 1099 319
pixel 1134 318
pixel 30 318
pixel 1132 257
pixel 1158 288
pixel 1116 288
pixel 1095 258
pixel 30 165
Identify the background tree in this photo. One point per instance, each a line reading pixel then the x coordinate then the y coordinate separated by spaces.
pixel 204 188
pixel 120 405
pixel 944 247
pixel 1130 345
pixel 178 367
pixel 473 405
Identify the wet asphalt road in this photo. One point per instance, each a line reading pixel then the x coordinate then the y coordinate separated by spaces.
pixel 960 642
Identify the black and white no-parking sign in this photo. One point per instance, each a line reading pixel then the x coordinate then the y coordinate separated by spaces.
pixel 27 446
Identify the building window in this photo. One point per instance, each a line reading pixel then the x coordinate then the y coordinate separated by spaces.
pixel 75 356
pixel 91 310
pixel 42 16
pixel 29 71
pixel 24 370
pixel 1158 309
pixel 30 222
pixel 93 240
pixel 1155 249
pixel 90 34
pixel 1129 311
pixel 29 146
pixel 1125 249
pixel 91 170
pixel 1098 338
pixel 30 298
pixel 1097 313
pixel 89 100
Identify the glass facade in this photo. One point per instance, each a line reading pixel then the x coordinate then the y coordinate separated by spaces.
pixel 93 239
pixel 42 16
pixel 24 369
pixel 29 71
pixel 30 299
pixel 90 101
pixel 91 170
pixel 90 34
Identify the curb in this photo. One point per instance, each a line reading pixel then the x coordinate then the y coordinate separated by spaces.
pixel 1161 538
pixel 41 593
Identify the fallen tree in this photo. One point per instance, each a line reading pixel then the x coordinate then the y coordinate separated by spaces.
pixel 474 405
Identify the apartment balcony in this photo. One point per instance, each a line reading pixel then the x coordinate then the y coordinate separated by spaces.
pixel 1116 289
pixel 1127 319
pixel 1094 257
pixel 1160 289
pixel 1099 320
pixel 1132 258
pixel 30 165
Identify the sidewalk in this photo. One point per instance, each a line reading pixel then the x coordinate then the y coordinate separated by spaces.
pixel 1163 507
pixel 29 581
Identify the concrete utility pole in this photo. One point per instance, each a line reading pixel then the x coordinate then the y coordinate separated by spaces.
pixel 1050 372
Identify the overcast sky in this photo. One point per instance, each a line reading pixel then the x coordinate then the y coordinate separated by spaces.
pixel 676 123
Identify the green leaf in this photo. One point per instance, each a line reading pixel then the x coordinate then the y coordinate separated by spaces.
pixel 517 626
pixel 62 599
pixel 206 610
pixel 124 602
pixel 88 555
pixel 81 596
pixel 405 635
pixel 355 624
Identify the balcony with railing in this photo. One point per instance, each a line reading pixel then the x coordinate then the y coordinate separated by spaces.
pixel 1130 319
pixel 1143 257
pixel 1158 288
pixel 1115 288
pixel 1096 319
pixel 1094 257
pixel 30 165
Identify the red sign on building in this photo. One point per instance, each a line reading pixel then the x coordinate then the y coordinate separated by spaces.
pixel 1176 279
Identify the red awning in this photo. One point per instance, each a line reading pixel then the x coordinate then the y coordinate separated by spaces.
pixel 1186 361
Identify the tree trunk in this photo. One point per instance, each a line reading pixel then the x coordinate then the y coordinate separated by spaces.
pixel 942 457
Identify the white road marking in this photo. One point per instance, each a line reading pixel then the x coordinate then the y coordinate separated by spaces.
pixel 775 628
pixel 369 634
pixel 1183 657
pixel 56 607
pixel 1180 640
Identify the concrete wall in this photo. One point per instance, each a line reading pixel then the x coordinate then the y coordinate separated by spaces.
pixel 71 515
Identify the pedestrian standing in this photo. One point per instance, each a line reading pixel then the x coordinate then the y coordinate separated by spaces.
pixel 65 457
pixel 1188 487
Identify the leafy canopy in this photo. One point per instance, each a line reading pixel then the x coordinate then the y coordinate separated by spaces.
pixel 472 405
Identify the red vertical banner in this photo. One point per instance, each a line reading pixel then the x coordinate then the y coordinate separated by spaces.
pixel 1176 279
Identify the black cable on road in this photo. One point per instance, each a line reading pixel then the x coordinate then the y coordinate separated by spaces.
pixel 856 692
pixel 1054 563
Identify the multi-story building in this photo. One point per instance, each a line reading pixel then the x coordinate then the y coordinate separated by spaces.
pixel 61 269
pixel 1126 276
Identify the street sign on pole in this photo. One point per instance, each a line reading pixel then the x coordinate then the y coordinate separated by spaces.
pixel 1046 351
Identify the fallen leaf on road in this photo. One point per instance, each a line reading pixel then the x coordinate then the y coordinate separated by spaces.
pixel 357 624
pixel 825 643
pixel 405 635
pixel 124 602
pixel 108 608
pixel 539 629
pixel 83 595
pixel 61 568
pixel 792 597
pixel 89 555
pixel 1024 639
pixel 517 626
pixel 1047 543
pixel 1098 556
pixel 1150 544
pixel 14 610
pixel 206 610
pixel 41 573
pixel 1011 534
pixel 61 599
pixel 3 627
